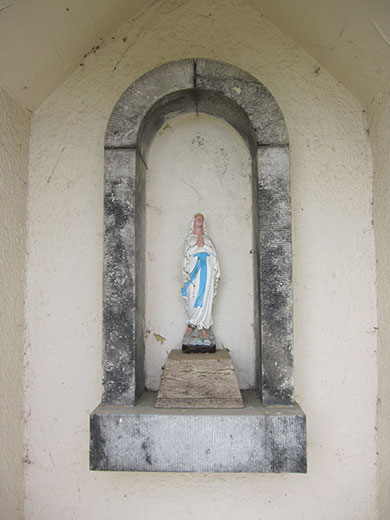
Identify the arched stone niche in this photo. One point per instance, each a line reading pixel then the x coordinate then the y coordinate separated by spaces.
pixel 225 91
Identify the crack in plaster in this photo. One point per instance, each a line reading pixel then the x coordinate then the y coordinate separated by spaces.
pixel 93 20
pixel 136 36
pixel 5 7
pixel 55 166
pixel 387 40
pixel 344 26
pixel 52 45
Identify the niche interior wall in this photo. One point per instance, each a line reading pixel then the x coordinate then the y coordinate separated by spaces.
pixel 127 432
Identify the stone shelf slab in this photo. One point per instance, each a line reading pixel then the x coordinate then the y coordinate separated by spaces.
pixel 252 439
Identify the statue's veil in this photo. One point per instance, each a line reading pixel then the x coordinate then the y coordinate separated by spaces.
pixel 205 233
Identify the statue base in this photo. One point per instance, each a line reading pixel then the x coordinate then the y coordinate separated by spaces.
pixel 195 343
pixel 199 381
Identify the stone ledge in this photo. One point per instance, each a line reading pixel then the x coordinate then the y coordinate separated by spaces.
pixel 253 439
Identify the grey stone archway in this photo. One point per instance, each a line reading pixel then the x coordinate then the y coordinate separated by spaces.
pixel 127 433
pixel 228 92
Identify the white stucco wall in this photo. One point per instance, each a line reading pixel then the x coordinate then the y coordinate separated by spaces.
pixel 199 164
pixel 14 134
pixel 378 113
pixel 334 281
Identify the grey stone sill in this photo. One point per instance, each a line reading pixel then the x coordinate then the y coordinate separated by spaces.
pixel 250 439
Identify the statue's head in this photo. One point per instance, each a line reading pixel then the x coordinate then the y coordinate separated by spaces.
pixel 198 222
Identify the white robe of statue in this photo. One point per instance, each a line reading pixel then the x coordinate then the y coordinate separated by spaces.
pixel 201 274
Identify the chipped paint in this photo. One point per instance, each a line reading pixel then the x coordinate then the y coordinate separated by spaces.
pixel 159 338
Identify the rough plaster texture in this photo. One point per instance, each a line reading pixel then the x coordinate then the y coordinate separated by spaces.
pixel 14 134
pixel 334 281
pixel 208 150
pixel 378 113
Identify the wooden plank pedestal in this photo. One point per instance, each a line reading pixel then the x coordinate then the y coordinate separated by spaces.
pixel 199 381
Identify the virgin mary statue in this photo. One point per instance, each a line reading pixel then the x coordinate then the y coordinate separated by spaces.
pixel 201 276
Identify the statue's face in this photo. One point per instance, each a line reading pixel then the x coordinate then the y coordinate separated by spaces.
pixel 198 221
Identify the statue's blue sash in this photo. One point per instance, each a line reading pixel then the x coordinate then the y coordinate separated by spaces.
pixel 201 265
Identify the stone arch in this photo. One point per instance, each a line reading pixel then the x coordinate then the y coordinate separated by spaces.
pixel 222 90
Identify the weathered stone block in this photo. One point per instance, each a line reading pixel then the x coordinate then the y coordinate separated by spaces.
pixel 276 323
pixel 199 381
pixel 252 439
pixel 128 113
pixel 274 188
pixel 244 89
pixel 122 303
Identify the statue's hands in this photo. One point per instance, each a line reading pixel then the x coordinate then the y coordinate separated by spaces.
pixel 200 242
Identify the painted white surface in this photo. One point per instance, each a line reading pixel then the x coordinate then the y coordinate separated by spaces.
pixel 334 282
pixel 199 164
pixel 48 39
pixel 14 134
pixel 379 125
pixel 351 40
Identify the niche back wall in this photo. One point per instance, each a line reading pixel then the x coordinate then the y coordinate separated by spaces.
pixel 199 163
